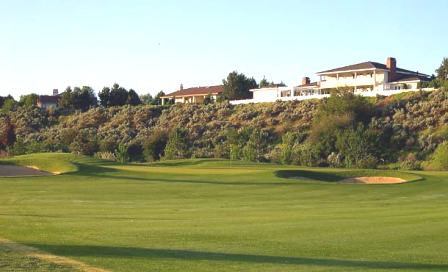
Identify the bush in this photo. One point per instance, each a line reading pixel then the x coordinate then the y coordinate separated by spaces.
pixel 410 162
pixel 307 154
pixel 439 159
pixel 358 147
pixel 108 156
pixel 135 151
pixel 122 153
pixel 154 146
pixel 176 147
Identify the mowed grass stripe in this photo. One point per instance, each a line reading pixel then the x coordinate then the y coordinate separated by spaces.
pixel 128 218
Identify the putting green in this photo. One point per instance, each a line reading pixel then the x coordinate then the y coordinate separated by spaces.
pixel 214 215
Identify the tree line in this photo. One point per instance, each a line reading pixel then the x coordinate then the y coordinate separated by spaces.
pixel 236 86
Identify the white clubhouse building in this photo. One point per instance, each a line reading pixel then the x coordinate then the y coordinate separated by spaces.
pixel 366 79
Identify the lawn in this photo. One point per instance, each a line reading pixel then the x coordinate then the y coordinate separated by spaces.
pixel 214 215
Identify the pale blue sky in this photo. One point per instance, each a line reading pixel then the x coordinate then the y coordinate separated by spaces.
pixel 157 45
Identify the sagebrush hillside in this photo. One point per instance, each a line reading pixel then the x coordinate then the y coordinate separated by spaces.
pixel 410 127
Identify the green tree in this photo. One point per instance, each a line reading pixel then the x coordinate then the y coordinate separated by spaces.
pixel 155 145
pixel 7 134
pixel 343 102
pixel 147 99
pixel 78 99
pixel 115 96
pixel 265 83
pixel 133 98
pixel 176 148
pixel 286 148
pixel 254 148
pixel 237 86
pixel 358 146
pixel 66 99
pixel 343 110
pixel 442 71
pixel 29 100
pixel 9 105
pixel 84 98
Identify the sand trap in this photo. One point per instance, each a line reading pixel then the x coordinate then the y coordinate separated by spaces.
pixel 374 180
pixel 20 171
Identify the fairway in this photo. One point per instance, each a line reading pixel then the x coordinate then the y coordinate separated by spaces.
pixel 217 215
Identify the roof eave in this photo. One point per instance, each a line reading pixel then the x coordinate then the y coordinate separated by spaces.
pixel 349 71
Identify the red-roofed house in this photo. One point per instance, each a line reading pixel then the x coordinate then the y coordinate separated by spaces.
pixel 193 95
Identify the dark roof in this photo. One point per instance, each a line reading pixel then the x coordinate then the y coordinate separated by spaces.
pixel 358 66
pixel 197 91
pixel 48 99
pixel 367 65
pixel 407 77
pixel 312 84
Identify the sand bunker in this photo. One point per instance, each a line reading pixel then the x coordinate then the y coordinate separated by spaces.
pixel 20 171
pixel 374 180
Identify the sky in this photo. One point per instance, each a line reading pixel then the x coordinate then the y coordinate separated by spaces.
pixel 150 45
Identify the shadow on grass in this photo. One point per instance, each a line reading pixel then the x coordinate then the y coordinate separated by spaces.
pixel 190 255
pixel 335 175
pixel 175 180
pixel 92 169
pixel 304 174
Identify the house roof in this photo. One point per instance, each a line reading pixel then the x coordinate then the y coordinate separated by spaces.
pixel 48 99
pixel 368 65
pixel 407 77
pixel 312 84
pixel 359 66
pixel 197 91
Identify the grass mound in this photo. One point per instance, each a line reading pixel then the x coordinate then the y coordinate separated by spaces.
pixel 56 163
pixel 203 163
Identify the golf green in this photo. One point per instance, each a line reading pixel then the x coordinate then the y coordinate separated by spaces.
pixel 215 215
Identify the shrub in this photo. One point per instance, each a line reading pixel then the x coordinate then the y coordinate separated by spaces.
pixel 154 146
pixel 306 154
pixel 176 147
pixel 439 159
pixel 85 142
pixel 335 160
pixel 108 156
pixel 122 153
pixel 135 151
pixel 358 147
pixel 285 148
pixel 410 162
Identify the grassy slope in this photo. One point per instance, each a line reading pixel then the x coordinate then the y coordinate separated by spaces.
pixel 204 215
pixel 50 162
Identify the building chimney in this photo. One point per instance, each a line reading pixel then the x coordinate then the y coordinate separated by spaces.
pixel 306 80
pixel 391 64
pixel 55 92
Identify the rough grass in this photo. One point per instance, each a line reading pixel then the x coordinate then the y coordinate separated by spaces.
pixel 209 215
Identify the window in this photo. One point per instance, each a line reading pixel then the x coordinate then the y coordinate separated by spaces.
pixel 286 93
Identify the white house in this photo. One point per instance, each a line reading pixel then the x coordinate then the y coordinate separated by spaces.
pixel 366 78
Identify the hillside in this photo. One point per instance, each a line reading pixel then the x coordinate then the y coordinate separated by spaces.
pixel 410 125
